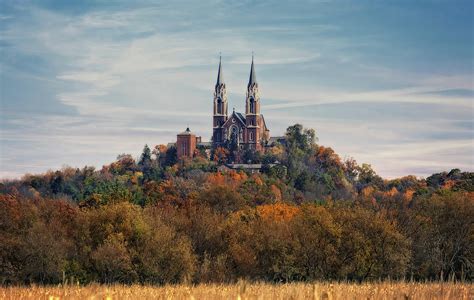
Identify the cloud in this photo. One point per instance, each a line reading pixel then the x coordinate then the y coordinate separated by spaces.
pixel 127 75
pixel 467 93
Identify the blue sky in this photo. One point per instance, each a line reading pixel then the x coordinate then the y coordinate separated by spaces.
pixel 389 83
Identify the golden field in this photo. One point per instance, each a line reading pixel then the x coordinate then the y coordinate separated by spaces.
pixel 247 291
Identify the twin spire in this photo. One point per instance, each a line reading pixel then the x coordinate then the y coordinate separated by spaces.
pixel 252 77
pixel 220 76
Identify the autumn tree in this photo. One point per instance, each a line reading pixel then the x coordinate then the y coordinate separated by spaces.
pixel 307 216
pixel 443 236
pixel 318 238
pixel 113 261
pixel 371 246
pixel 220 155
pixel 222 199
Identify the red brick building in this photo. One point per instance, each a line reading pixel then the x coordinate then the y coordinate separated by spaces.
pixel 186 143
pixel 247 131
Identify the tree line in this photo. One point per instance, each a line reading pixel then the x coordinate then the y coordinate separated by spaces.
pixel 307 216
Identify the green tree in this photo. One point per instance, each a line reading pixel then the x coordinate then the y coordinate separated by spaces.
pixel 298 147
pixel 145 158
pixel 151 168
pixel 251 156
pixel 368 177
pixel 171 157
pixel 299 138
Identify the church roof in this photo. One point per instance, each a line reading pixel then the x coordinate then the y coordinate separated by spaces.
pixel 264 124
pixel 253 76
pixel 240 116
pixel 275 139
pixel 220 75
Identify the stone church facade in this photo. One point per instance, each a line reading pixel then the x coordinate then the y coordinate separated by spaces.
pixel 237 130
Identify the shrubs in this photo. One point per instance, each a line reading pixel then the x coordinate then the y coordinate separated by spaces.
pixel 49 241
pixel 113 243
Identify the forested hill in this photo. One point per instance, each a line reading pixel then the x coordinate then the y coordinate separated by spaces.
pixel 308 215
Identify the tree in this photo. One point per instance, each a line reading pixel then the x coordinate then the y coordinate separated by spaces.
pixel 37 239
pixel 123 165
pixel 113 261
pixel 171 157
pixel 299 138
pixel 145 158
pixel 57 183
pixel 251 156
pixel 443 236
pixel 151 168
pixel 318 237
pixel 298 147
pixel 192 222
pixel 371 246
pixel 302 181
pixel 220 155
pixel 222 199
pixel 368 177
pixel 165 256
pixel 160 153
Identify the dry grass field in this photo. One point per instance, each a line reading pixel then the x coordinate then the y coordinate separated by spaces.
pixel 247 291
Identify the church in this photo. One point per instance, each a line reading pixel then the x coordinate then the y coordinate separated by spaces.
pixel 241 131
pixel 236 131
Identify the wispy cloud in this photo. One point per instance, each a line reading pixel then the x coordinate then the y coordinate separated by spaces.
pixel 127 75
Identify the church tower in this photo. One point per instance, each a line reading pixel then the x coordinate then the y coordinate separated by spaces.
pixel 220 108
pixel 252 111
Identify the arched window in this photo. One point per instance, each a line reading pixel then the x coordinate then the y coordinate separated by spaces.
pixel 234 133
pixel 219 106
pixel 252 106
pixel 251 136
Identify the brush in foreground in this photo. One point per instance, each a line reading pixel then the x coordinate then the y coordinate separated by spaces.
pixel 247 291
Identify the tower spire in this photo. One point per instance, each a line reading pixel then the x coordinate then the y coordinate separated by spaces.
pixel 220 108
pixel 220 75
pixel 252 77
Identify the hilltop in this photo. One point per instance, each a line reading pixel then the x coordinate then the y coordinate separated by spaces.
pixel 305 215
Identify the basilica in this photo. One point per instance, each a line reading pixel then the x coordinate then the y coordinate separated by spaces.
pixel 236 131
pixel 242 131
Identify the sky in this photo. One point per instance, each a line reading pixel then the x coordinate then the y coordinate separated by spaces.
pixel 389 83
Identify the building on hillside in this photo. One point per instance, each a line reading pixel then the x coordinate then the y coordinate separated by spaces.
pixel 186 143
pixel 241 131
pixel 236 131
